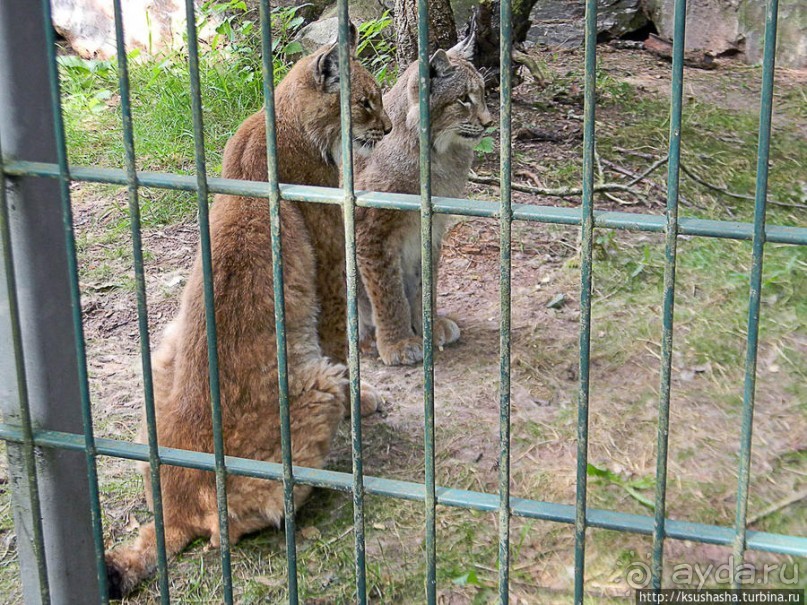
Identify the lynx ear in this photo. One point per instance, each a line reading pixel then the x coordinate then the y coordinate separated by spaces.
pixel 440 64
pixel 353 35
pixel 326 69
pixel 465 48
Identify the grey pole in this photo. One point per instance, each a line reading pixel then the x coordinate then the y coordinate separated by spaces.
pixel 40 267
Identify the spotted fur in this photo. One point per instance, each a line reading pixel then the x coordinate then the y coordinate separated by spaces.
pixel 388 242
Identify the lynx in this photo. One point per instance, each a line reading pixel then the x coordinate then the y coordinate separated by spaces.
pixel 307 110
pixel 388 241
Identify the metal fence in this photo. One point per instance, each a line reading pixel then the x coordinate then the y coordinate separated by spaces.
pixel 38 434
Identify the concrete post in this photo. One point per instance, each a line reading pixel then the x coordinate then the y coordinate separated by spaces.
pixel 38 241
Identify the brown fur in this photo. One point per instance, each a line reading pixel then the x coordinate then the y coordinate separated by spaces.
pixel 313 133
pixel 308 123
pixel 388 241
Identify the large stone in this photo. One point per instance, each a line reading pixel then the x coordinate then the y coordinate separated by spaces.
pixel 561 23
pixel 361 10
pixel 149 25
pixel 712 25
pixel 309 11
pixel 791 41
pixel 737 25
pixel 317 33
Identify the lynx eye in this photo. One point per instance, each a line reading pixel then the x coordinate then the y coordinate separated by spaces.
pixel 366 104
pixel 465 100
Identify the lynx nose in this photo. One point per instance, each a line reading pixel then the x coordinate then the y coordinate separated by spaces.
pixel 386 122
pixel 485 118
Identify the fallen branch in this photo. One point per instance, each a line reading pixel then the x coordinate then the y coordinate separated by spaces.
pixel 705 183
pixel 739 196
pixel 777 506
pixel 536 135
pixel 653 167
pixel 663 49
pixel 552 192
pixel 601 181
pixel 636 178
pixel 536 71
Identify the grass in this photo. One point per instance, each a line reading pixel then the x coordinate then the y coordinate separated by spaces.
pixel 9 566
pixel 710 319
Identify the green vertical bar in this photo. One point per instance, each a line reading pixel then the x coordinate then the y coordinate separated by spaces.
pixel 763 150
pixel 142 305
pixel 673 167
pixel 505 229
pixel 424 88
pixel 587 228
pixel 352 305
pixel 28 450
pixel 75 296
pixel 280 301
pixel 210 312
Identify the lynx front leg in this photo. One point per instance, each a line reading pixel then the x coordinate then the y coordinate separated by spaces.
pixel 444 330
pixel 325 226
pixel 383 280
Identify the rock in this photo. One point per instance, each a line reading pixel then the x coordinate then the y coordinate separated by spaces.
pixel 791 43
pixel 616 18
pixel 326 29
pixel 309 11
pixel 315 34
pixel 150 25
pixel 360 10
pixel 721 26
pixel 561 23
pixel 712 25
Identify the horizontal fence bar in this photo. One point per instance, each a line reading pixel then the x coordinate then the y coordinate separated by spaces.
pixel 481 208
pixel 406 490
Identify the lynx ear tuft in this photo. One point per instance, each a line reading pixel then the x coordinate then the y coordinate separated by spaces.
pixel 465 48
pixel 326 69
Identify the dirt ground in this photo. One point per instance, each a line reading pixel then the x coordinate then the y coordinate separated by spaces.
pixel 624 385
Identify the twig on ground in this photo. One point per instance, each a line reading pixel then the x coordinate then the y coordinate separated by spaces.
pixel 777 506
pixel 713 187
pixel 538 74
pixel 636 153
pixel 527 174
pixel 639 177
pixel 551 192
pixel 740 196
pixel 601 181
pixel 653 167
pixel 701 181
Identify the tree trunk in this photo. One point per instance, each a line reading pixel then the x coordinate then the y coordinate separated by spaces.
pixel 521 18
pixel 484 25
pixel 442 31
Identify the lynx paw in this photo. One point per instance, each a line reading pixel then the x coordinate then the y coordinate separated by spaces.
pixel 401 353
pixel 445 331
pixel 370 399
